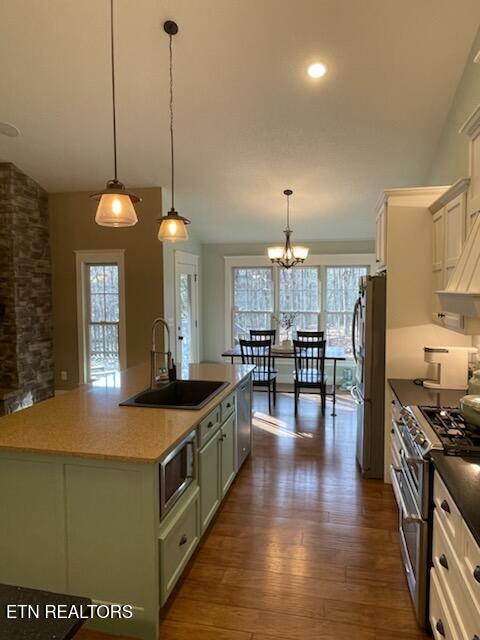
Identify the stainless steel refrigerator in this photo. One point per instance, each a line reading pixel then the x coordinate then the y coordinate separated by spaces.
pixel 368 337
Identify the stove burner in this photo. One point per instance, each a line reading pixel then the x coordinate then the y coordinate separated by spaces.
pixel 457 436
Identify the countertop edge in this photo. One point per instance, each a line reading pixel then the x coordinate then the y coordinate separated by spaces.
pixel 197 417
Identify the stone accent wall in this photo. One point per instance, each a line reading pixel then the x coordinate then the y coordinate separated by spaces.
pixel 26 348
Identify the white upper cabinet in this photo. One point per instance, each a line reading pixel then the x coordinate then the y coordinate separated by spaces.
pixel 449 223
pixel 471 128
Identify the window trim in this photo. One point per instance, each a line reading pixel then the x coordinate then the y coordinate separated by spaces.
pixel 104 256
pixel 320 260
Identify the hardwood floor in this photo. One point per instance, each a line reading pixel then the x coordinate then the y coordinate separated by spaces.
pixel 303 548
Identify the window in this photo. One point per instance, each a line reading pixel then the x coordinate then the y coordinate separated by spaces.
pixel 252 305
pixel 300 294
pixel 341 293
pixel 103 320
pixel 321 296
pixel 101 313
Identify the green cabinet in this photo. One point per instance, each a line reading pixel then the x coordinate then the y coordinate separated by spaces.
pixel 227 454
pixel 209 463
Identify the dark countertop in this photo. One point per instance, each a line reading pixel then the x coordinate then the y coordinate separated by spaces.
pixel 41 628
pixel 460 475
pixel 409 393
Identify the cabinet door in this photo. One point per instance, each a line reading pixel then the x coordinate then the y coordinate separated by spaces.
pixel 438 271
pixel 455 223
pixel 228 453
pixel 244 421
pixel 208 477
pixel 380 238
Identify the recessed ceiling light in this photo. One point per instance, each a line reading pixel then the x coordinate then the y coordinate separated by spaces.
pixel 317 70
pixel 9 130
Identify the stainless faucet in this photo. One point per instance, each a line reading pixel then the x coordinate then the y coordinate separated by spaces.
pixel 170 374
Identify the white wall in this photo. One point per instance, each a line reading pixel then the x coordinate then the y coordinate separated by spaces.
pixel 213 278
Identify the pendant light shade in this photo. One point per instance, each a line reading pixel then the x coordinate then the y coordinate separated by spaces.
pixel 115 207
pixel 288 256
pixel 173 228
pixel 173 225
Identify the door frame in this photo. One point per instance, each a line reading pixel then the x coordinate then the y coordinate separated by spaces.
pixel 190 259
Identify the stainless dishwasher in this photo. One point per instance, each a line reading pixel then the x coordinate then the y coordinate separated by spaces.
pixel 244 421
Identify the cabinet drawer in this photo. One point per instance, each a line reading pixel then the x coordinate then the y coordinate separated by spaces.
pixel 440 617
pixel 177 543
pixel 228 406
pixel 448 513
pixel 470 568
pixel 447 567
pixel 208 426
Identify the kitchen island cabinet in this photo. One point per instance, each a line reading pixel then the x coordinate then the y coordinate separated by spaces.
pixel 80 498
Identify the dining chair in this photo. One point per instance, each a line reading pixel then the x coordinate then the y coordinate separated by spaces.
pixel 259 353
pixel 310 335
pixel 310 369
pixel 263 334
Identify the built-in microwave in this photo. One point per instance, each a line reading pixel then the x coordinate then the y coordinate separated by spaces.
pixel 176 473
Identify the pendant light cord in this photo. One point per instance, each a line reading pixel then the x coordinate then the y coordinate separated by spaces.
pixel 288 212
pixel 113 93
pixel 172 158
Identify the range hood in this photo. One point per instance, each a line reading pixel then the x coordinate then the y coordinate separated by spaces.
pixel 462 293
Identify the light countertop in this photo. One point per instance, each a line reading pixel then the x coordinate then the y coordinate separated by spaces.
pixel 87 422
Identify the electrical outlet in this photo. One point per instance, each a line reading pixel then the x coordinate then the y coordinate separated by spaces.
pixel 63 375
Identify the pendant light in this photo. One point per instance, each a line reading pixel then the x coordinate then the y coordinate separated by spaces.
pixel 172 226
pixel 288 256
pixel 115 207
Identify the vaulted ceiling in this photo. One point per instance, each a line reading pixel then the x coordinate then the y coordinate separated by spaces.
pixel 249 121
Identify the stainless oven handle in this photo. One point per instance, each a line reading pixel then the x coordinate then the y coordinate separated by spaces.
pixel 413 460
pixel 407 517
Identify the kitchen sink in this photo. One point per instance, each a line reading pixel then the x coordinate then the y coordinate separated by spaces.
pixel 179 394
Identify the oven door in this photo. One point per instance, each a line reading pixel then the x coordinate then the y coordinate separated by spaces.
pixel 176 473
pixel 413 542
pixel 415 468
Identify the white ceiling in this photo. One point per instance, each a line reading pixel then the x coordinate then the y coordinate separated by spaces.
pixel 249 121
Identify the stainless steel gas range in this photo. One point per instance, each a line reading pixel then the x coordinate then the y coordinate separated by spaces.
pixel 415 432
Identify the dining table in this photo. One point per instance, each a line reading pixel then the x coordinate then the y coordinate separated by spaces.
pixel 332 354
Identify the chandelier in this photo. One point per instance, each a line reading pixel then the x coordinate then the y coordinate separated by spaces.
pixel 288 256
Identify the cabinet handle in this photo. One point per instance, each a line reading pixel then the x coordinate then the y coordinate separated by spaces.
pixel 476 573
pixel 440 628
pixel 445 506
pixel 440 315
pixel 443 561
pixel 209 425
pixel 228 405
pixel 183 540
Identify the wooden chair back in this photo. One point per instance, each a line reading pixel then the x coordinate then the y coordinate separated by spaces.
pixel 263 334
pixel 309 359
pixel 310 335
pixel 257 352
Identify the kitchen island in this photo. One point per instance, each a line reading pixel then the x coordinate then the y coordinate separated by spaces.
pixel 80 492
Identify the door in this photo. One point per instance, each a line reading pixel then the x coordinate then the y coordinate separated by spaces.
pixel 186 310
pixel 208 478
pixel 228 453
